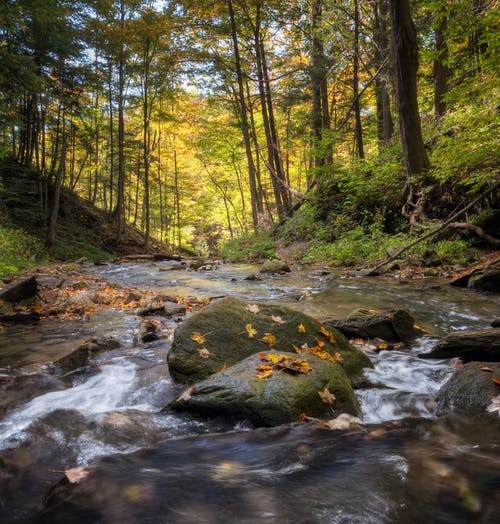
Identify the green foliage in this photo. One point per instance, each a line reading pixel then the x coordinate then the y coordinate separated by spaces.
pixel 304 225
pixel 255 246
pixel 466 152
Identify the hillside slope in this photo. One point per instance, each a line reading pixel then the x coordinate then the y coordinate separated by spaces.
pixel 82 229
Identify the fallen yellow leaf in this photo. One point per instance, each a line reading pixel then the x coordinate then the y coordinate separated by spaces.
pixel 268 339
pixel 75 475
pixel 250 330
pixel 278 319
pixel 198 337
pixel 301 328
pixel 327 396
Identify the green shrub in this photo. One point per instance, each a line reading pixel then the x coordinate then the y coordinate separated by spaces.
pixel 18 250
pixel 255 246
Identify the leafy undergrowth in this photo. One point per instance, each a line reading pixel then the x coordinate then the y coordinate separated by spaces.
pixel 253 247
pixel 82 229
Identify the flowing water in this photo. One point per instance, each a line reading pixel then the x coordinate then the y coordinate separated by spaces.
pixel 150 465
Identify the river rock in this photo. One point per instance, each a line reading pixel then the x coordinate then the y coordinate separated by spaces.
pixel 26 288
pixel 275 266
pixel 239 394
pixel 167 309
pixel 85 352
pixel 225 340
pixel 391 325
pixel 16 390
pixel 470 390
pixel 478 344
pixel 480 278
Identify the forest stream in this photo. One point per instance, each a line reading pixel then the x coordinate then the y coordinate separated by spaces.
pixel 404 465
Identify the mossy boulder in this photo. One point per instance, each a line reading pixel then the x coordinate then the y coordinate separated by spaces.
pixel 391 325
pixel 275 266
pixel 237 392
pixel 470 390
pixel 223 325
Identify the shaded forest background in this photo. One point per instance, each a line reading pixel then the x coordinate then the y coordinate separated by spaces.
pixel 212 126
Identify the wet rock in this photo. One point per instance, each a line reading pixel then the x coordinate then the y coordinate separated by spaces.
pixel 495 323
pixel 19 317
pixel 253 278
pixel 81 356
pixel 479 344
pixel 133 296
pixel 16 390
pixel 223 327
pixel 480 278
pixel 148 332
pixel 470 390
pixel 167 309
pixel 81 284
pixel 275 266
pixel 431 259
pixel 390 325
pixel 21 290
pixel 238 393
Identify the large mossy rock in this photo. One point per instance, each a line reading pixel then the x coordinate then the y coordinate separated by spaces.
pixel 483 278
pixel 477 344
pixel 275 266
pixel 239 394
pixel 223 325
pixel 470 390
pixel 391 325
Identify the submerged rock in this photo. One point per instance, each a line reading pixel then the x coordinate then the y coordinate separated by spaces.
pixel 229 330
pixel 282 397
pixel 479 344
pixel 470 390
pixel 85 352
pixel 391 325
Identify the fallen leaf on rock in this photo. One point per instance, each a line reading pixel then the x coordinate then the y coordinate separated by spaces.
pixel 298 350
pixel 328 334
pixel 496 380
pixel 197 337
pixel 250 330
pixel 278 319
pixel 264 371
pixel 327 396
pixel 418 328
pixel 484 368
pixel 187 394
pixel 253 308
pixel 268 339
pixel 382 346
pixel 339 358
pixel 222 369
pixel 319 342
pixel 75 475
pixel 301 328
pixel 343 421
pixel 377 433
pixel 203 352
pixel 304 419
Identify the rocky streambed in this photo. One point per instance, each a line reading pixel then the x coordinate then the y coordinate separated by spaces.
pixel 252 408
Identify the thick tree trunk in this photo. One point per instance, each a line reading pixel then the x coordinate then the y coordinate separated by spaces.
pixel 405 63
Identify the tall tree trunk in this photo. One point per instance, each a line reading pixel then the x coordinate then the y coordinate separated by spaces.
pixel 405 62
pixel 440 67
pixel 177 200
pixel 385 125
pixel 111 136
pixel 254 194
pixel 355 85
pixel 56 197
pixel 120 198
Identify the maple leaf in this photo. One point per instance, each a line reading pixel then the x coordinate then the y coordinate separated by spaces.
pixel 327 396
pixel 250 330
pixel 198 337
pixel 75 475
pixel 264 371
pixel 278 319
pixel 328 334
pixel 264 356
pixel 301 328
pixel 268 339
pixel 203 352
pixel 253 308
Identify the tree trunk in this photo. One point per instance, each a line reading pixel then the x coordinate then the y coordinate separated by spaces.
pixel 355 85
pixel 54 209
pixel 254 194
pixel 405 64
pixel 385 126
pixel 440 67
